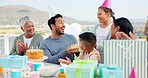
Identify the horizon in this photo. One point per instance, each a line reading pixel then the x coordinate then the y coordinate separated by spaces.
pixel 133 9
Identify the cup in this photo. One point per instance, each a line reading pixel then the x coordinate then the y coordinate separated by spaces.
pixel 16 74
pixel 34 74
pixel 30 64
pixel 36 65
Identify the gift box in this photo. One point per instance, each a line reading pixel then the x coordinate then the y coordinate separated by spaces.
pixel 81 69
pixel 110 71
pixel 7 73
pixel 13 61
pixel 25 72
pixel 127 54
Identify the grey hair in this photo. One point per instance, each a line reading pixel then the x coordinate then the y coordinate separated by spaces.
pixel 24 19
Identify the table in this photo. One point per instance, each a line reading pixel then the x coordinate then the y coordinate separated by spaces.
pixel 46 64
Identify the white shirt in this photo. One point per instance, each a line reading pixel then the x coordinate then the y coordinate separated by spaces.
pixel 102 34
pixel 27 40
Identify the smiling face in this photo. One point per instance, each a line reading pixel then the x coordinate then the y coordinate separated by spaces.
pixel 102 15
pixel 28 29
pixel 59 26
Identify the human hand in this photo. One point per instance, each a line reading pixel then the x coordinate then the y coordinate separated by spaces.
pixel 123 36
pixel 21 47
pixel 67 61
pixel 72 49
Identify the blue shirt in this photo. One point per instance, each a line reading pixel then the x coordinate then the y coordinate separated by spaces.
pixel 56 48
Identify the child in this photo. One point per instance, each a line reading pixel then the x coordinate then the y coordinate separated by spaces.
pixel 102 30
pixel 87 42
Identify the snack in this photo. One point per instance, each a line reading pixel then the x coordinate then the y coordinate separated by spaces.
pixel 75 46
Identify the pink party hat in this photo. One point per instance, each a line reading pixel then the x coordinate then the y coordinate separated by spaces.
pixel 107 3
pixel 133 73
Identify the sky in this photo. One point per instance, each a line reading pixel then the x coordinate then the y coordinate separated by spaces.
pixel 87 9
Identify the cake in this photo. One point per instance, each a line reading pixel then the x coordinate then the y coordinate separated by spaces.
pixel 77 46
pixel 34 54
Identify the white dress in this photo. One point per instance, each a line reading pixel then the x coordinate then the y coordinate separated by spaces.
pixel 102 34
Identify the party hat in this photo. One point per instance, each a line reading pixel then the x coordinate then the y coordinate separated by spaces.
pixel 107 3
pixel 133 73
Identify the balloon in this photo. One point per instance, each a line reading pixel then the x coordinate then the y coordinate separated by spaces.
pixel 67 28
pixel 75 29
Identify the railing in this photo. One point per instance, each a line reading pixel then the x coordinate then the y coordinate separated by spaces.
pixel 6 42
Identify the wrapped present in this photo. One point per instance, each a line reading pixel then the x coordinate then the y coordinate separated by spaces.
pixel 81 69
pixel 110 71
pixel 7 73
pixel 13 61
pixel 127 54
pixel 25 72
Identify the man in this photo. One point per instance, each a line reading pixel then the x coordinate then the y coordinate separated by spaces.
pixel 57 45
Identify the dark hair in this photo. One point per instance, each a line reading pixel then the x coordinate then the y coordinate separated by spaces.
pixel 52 20
pixel 89 38
pixel 108 10
pixel 124 24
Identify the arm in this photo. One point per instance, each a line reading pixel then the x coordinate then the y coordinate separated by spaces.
pixel 14 49
pixel 52 58
pixel 95 57
pixel 17 47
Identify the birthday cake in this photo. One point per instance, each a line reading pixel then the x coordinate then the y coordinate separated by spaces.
pixel 35 54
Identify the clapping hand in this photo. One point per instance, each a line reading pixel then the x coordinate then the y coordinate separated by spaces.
pixel 21 47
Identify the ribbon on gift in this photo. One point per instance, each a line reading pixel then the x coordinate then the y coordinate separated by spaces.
pixel 80 63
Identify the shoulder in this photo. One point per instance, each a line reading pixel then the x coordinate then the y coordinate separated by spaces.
pixel 68 36
pixel 47 40
pixel 96 27
pixel 94 52
pixel 19 37
pixel 39 35
pixel 36 35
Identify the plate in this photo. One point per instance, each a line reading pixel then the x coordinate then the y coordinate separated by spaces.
pixel 45 57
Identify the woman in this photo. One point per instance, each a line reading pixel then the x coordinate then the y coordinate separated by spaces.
pixel 122 29
pixel 28 39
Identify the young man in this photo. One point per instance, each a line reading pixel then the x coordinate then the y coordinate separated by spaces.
pixel 56 45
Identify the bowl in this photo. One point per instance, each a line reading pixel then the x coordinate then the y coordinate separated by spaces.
pixel 48 70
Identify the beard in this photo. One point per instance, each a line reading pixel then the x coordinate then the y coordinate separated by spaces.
pixel 59 32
